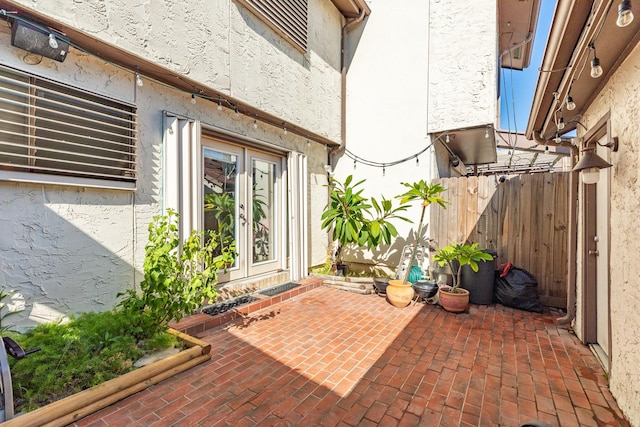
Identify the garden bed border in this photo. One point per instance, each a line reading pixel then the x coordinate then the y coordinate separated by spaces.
pixel 72 408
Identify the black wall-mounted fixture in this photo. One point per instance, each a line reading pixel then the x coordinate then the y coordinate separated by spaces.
pixel 38 40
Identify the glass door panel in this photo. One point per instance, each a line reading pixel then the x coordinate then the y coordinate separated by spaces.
pixel 264 203
pixel 221 197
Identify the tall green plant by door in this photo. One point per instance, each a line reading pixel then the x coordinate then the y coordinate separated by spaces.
pixel 178 276
pixel 355 219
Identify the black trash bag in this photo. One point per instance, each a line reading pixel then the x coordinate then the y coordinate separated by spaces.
pixel 517 288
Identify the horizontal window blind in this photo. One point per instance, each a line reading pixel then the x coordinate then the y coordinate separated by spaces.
pixel 51 128
pixel 287 17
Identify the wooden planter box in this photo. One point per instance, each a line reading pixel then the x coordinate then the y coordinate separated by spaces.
pixel 86 402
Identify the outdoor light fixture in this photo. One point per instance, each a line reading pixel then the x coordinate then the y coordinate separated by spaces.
pixel 486 133
pixel 39 40
pixel 596 69
pixel 139 80
pixel 193 98
pixel 590 164
pixel 561 123
pixel 570 104
pixel 625 15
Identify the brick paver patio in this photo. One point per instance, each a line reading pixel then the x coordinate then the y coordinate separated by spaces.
pixel 330 357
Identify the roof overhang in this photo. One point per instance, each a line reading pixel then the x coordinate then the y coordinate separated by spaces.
pixel 517 20
pixel 566 63
pixel 351 8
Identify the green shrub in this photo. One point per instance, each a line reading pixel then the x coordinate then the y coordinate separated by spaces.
pixel 178 276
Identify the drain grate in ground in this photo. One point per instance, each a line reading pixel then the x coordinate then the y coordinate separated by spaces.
pixel 227 305
pixel 279 289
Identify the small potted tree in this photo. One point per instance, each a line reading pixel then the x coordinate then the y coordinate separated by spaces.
pixel 400 292
pixel 454 298
pixel 355 219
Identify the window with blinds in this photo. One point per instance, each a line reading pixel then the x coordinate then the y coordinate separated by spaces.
pixel 286 17
pixel 53 129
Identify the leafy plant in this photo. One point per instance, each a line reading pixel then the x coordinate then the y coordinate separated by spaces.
pixel 355 219
pixel 91 348
pixel 178 276
pixel 456 255
pixel 428 194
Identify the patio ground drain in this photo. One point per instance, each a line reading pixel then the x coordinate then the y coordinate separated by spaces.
pixel 279 289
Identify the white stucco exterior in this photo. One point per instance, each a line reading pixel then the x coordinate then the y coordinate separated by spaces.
pixel 71 249
pixel 463 73
pixel 415 69
pixel 619 98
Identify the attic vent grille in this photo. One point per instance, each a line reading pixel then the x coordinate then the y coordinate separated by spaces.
pixel 47 129
pixel 286 17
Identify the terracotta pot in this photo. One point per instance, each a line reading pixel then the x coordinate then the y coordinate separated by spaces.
pixel 399 293
pixel 455 302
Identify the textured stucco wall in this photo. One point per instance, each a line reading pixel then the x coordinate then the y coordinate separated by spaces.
pixel 620 98
pixel 387 108
pixel 70 249
pixel 224 46
pixel 462 64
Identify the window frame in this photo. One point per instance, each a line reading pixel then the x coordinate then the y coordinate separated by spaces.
pixel 94 124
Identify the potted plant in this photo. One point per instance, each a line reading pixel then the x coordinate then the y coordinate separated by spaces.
pixel 456 255
pixel 355 219
pixel 400 291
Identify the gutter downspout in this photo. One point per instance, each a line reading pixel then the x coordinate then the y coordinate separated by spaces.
pixel 572 233
pixel 343 85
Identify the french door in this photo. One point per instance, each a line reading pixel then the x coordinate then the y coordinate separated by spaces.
pixel 242 201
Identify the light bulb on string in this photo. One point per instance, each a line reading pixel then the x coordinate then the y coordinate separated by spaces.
pixel 193 98
pixel 235 109
pixel 570 104
pixel 139 80
pixel 486 133
pixel 447 139
pixel 561 123
pixel 625 15
pixel 255 123
pixel 596 69
pixel 53 43
pixel 354 164
pixel 284 129
pixel 308 142
pixel 219 104
pixel 546 149
pixel 417 161
pixel 384 171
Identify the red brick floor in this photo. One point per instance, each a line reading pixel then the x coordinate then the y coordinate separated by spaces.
pixel 329 357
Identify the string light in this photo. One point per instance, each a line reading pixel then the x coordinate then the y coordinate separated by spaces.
pixel 447 139
pixel 284 129
pixel 193 98
pixel 354 164
pixel 255 123
pixel 596 69
pixel 561 123
pixel 570 104
pixel 308 142
pixel 235 109
pixel 384 171
pixel 546 149
pixel 139 81
pixel 486 133
pixel 417 161
pixel 625 15
pixel 219 104
pixel 53 43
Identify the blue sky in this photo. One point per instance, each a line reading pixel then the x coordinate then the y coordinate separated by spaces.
pixel 517 87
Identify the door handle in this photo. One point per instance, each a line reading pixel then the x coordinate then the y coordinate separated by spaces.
pixel 592 252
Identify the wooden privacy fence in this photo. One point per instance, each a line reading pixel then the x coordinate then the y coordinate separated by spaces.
pixel 524 219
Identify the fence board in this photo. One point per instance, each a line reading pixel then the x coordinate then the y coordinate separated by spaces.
pixel 524 219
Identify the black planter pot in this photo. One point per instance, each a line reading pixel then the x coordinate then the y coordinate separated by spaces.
pixel 380 283
pixel 425 289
